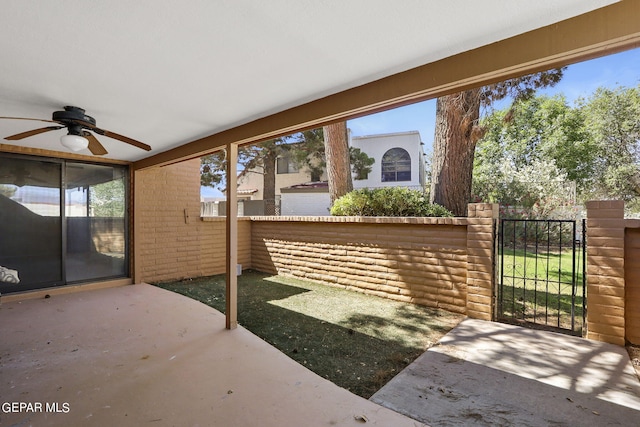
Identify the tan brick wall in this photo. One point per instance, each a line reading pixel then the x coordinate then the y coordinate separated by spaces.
pixel 172 241
pixel 418 260
pixel 632 283
pixel 606 271
pixel 213 244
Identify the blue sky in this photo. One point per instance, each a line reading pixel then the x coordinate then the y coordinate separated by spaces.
pixel 579 80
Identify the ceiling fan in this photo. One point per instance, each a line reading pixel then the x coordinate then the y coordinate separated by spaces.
pixel 78 125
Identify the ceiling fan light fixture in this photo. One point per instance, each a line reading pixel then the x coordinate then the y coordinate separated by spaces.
pixel 74 142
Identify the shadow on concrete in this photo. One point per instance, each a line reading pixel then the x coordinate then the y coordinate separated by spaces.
pixel 485 373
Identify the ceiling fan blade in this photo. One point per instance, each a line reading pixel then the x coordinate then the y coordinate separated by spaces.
pixel 94 145
pixel 119 137
pixel 126 139
pixel 26 118
pixel 33 132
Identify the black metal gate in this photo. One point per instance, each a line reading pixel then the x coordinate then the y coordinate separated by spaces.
pixel 542 274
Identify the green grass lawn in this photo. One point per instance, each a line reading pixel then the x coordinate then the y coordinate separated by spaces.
pixel 542 288
pixel 357 341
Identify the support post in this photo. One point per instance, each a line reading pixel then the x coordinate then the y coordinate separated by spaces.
pixel 232 238
pixel 605 271
pixel 481 260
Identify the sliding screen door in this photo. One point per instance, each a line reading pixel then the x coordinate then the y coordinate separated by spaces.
pixel 96 226
pixel 61 222
pixel 30 224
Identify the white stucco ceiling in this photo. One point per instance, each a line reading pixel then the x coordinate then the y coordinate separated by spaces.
pixel 166 72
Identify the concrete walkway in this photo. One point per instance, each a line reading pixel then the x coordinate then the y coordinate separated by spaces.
pixel 492 374
pixel 142 356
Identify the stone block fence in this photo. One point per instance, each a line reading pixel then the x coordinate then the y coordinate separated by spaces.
pixel 437 262
pixel 444 263
pixel 613 274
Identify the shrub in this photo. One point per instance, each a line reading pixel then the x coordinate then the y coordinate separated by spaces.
pixel 388 201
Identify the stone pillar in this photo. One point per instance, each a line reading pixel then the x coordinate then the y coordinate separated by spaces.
pixel 632 281
pixel 481 260
pixel 605 271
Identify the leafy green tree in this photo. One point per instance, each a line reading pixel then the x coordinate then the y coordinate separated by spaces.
pixel 263 157
pixel 522 139
pixel 361 163
pixel 107 199
pixel 458 129
pixel 594 145
pixel 212 169
pixel 308 152
pixel 257 158
pixel 612 118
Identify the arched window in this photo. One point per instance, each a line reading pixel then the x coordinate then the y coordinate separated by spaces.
pixel 396 165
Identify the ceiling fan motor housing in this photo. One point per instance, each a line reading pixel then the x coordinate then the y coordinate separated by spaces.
pixel 73 116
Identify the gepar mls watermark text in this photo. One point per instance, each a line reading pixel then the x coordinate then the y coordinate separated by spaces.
pixel 36 407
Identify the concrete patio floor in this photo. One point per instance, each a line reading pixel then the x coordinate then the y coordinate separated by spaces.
pixel 492 374
pixel 140 355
